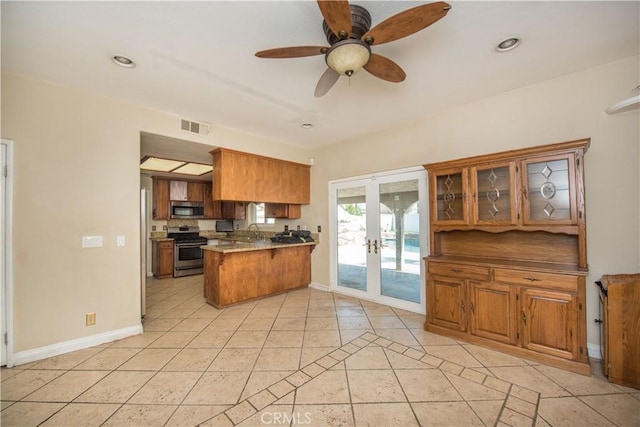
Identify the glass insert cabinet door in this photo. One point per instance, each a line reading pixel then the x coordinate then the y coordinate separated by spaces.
pixel 449 188
pixel 547 195
pixel 494 194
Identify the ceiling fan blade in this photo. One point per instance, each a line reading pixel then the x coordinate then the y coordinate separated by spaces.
pixel 337 14
pixel 292 52
pixel 384 68
pixel 326 82
pixel 406 23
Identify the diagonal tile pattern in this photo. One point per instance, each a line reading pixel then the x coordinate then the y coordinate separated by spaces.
pixel 302 358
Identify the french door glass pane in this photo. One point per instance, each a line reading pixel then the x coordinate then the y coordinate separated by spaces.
pixel 399 244
pixel 352 236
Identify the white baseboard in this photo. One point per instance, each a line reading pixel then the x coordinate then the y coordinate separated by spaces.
pixel 40 353
pixel 320 286
pixel 594 351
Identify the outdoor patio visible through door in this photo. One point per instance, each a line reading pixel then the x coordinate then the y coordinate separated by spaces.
pixel 377 241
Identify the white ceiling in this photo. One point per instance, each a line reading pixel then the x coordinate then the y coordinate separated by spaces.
pixel 196 59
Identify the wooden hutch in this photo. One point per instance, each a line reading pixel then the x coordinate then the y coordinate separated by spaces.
pixel 508 257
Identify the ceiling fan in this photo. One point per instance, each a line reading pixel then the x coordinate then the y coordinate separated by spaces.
pixel 347 28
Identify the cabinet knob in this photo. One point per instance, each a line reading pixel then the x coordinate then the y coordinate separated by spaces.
pixel 532 279
pixel 524 318
pixel 456 270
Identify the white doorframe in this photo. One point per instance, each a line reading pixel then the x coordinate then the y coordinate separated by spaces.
pixel 6 256
pixel 333 233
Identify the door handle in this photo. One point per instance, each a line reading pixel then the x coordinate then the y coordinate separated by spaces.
pixel 375 246
pixel 368 245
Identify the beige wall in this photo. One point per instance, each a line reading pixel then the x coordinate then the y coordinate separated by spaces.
pixel 564 109
pixel 76 173
pixel 76 160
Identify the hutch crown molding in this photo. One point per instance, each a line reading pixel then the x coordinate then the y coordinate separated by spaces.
pixel 508 260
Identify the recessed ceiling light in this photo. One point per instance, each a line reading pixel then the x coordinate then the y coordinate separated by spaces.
pixel 123 61
pixel 508 44
pixel 306 125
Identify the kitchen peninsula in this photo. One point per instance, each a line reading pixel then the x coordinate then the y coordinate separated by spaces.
pixel 236 271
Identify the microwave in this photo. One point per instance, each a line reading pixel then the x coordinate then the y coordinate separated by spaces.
pixel 186 210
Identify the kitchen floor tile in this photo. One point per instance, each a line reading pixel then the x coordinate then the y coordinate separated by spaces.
pixel 339 360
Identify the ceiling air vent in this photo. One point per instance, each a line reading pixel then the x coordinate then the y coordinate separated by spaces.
pixel 194 127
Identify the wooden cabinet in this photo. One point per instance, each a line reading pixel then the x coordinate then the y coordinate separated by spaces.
pixel 189 191
pixel 508 260
pixel 282 210
pixel 550 322
pixel 221 210
pixel 234 277
pixel 493 311
pixel 161 196
pixel 233 210
pixel 246 177
pixel 621 327
pixel 162 258
pixel 165 190
pixel 540 188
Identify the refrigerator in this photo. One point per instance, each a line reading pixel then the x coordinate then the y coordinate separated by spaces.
pixel 144 245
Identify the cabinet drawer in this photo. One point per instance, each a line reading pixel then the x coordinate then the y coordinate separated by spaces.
pixel 532 278
pixel 461 271
pixel 165 245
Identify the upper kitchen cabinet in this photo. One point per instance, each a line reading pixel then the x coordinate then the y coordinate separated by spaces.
pixel 189 191
pixel 246 177
pixel 161 196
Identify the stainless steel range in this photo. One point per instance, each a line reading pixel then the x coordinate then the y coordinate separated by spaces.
pixel 187 254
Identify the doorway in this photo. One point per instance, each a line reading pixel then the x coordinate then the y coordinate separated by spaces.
pixel 6 272
pixel 377 246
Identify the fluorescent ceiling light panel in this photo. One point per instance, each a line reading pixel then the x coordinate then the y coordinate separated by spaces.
pixel 160 165
pixel 193 169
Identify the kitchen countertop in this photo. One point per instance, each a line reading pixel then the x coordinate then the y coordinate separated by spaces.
pixel 241 246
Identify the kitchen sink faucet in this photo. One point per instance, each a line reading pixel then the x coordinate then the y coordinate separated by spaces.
pixel 257 229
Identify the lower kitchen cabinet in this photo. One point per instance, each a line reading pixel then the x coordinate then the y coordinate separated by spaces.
pixel 162 258
pixel 539 315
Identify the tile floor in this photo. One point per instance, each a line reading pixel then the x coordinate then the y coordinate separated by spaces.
pixel 302 358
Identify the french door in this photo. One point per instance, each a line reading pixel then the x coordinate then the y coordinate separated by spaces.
pixel 377 244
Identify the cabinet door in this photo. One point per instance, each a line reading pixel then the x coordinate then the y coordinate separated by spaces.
pixel 494 194
pixel 160 199
pixel 234 210
pixel 448 197
pixel 166 259
pixel 446 303
pixel 493 311
pixel 178 190
pixel 195 191
pixel 549 193
pixel 282 210
pixel 549 321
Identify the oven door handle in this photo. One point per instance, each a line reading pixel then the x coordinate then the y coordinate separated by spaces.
pixel 189 245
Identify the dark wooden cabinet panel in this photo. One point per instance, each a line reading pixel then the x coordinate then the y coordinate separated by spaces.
pixel 282 210
pixel 162 258
pixel 160 199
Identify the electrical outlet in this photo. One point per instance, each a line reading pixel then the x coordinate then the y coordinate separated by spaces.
pixel 319 229
pixel 91 319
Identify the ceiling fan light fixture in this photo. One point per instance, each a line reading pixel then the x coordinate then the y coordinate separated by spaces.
pixel 347 57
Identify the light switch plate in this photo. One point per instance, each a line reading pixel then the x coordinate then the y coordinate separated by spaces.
pixel 120 241
pixel 91 241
